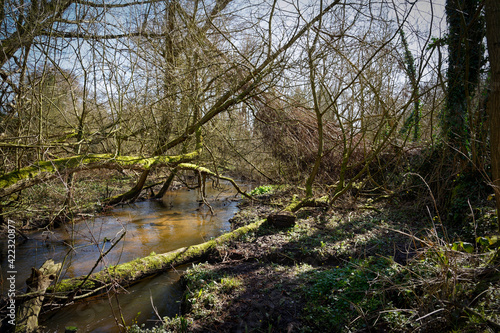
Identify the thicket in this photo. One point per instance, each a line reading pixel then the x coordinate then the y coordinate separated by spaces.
pixel 398 106
pixel 343 101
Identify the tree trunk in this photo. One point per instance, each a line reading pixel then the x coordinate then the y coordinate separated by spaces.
pixel 319 122
pixel 414 118
pixel 166 185
pixel 128 273
pixel 493 36
pixel 132 194
pixel 465 55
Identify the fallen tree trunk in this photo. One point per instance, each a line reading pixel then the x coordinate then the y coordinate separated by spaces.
pixel 18 180
pixel 128 273
pixel 296 204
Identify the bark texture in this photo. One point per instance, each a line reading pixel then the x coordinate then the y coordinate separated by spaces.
pixel 38 283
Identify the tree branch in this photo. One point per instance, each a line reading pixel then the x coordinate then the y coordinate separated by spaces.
pixel 247 84
pixel 18 180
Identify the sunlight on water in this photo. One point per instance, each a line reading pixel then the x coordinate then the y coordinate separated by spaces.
pixel 177 221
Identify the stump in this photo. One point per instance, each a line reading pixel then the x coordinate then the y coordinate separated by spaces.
pixel 283 219
pixel 38 282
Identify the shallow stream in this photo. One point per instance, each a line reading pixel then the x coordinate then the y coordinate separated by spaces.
pixel 177 221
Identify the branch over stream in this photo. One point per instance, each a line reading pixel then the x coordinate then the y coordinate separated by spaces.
pixel 23 178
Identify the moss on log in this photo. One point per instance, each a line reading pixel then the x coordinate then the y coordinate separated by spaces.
pixel 296 204
pixel 17 180
pixel 128 273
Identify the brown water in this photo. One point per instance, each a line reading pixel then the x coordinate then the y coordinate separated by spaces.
pixel 160 226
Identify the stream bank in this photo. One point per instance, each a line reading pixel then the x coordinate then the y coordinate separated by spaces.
pixel 364 267
pixel 177 221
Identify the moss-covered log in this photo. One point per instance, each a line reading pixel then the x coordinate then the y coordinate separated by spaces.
pixel 23 178
pixel 128 273
pixel 296 204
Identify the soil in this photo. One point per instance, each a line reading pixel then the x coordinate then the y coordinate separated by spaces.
pixel 267 300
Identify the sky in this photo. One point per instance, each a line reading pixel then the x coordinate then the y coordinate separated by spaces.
pixel 426 20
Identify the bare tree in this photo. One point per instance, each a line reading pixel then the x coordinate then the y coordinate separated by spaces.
pixel 199 95
pixel 353 103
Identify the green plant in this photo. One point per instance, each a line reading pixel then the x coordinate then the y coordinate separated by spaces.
pixel 263 189
pixel 454 280
pixel 142 329
pixel 338 296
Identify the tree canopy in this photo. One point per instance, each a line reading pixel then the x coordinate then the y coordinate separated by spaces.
pixel 316 94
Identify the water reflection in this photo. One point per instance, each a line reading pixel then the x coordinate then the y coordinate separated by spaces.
pixel 135 305
pixel 160 226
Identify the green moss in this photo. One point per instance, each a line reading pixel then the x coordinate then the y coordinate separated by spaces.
pixel 130 271
pixel 297 204
pixel 69 285
pixel 73 162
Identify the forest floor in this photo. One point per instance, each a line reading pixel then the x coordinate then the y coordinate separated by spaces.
pixel 361 266
pixel 383 267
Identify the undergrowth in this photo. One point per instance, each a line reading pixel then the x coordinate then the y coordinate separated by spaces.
pixel 340 273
